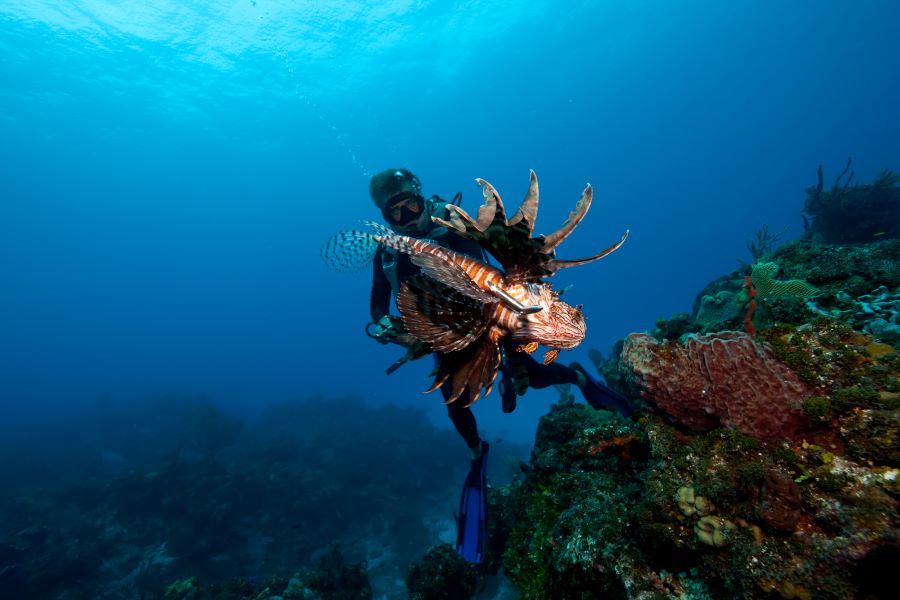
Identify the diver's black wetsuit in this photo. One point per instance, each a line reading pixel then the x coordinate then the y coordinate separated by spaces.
pixel 539 375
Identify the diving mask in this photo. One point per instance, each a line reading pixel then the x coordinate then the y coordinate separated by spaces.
pixel 404 209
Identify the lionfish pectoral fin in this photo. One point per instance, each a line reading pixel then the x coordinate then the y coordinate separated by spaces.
pixel 555 265
pixel 474 369
pixel 445 319
pixel 473 399
pixel 455 391
pixel 551 356
pixel 438 382
pixel 527 348
pixel 442 269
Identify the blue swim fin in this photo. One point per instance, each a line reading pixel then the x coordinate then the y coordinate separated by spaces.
pixel 471 533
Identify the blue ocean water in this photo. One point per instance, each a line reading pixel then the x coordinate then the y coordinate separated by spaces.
pixel 170 170
pixel 169 173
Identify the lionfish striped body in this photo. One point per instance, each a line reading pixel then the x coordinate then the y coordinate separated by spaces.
pixel 464 307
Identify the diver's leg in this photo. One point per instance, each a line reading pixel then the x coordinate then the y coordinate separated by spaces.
pixel 595 392
pixel 541 375
pixel 599 395
pixel 463 419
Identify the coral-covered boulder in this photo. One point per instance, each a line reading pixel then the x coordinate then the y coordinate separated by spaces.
pixel 780 506
pixel 726 379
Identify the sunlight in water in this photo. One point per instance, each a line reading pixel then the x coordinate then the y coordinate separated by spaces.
pixel 339 33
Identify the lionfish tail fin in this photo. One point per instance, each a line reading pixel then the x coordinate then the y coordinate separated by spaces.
pixel 349 251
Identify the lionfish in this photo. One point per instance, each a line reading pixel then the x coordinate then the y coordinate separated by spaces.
pixel 465 308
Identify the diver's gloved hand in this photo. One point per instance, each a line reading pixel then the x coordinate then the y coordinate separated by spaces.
pixel 390 329
pixel 384 330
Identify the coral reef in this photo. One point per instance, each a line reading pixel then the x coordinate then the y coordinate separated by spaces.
pixel 848 276
pixel 574 508
pixel 877 314
pixel 765 242
pixel 638 510
pixel 767 464
pixel 779 506
pixel 442 575
pixel 716 310
pixel 848 214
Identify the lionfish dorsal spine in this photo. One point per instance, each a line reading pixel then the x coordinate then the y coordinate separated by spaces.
pixel 528 209
pixel 584 203
pixel 564 264
pixel 492 209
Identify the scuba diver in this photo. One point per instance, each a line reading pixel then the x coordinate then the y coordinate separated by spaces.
pixel 398 195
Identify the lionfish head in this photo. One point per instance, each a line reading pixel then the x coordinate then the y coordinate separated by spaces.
pixel 559 325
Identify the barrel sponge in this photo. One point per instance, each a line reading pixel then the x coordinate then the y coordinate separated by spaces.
pixel 725 379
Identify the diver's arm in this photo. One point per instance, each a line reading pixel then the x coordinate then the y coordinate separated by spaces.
pixel 380 299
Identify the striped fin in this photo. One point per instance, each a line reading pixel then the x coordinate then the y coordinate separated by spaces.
pixel 474 368
pixel 442 268
pixel 440 316
pixel 439 263
pixel 349 251
pixel 385 236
